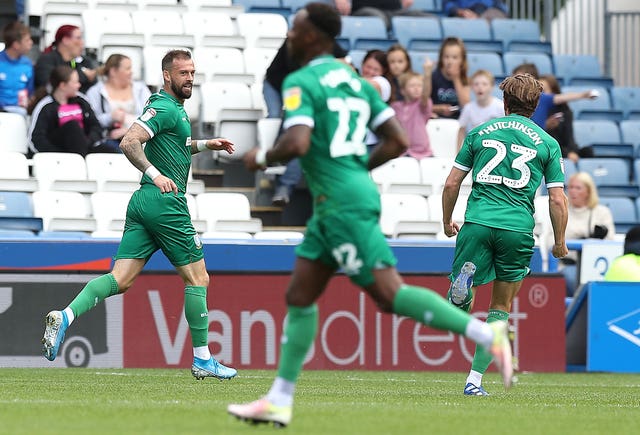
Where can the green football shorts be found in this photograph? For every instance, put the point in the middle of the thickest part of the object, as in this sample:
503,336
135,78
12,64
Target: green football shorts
350,240
158,220
498,254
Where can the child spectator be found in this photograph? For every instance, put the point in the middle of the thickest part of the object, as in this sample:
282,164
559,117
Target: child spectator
63,120
415,110
399,63
16,69
485,107
449,82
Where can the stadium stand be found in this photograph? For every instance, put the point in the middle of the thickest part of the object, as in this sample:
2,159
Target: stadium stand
406,212
400,175
227,212
13,132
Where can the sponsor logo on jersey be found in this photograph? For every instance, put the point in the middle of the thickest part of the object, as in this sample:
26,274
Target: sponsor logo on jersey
148,114
197,241
292,98
188,141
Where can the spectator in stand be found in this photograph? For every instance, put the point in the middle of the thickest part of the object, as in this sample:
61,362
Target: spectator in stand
117,100
16,69
281,65
414,111
547,101
485,107
375,70
588,219
383,9
473,9
67,49
63,120
626,268
450,88
399,62
560,123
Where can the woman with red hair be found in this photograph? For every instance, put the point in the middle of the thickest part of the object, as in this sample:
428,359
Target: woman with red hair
66,49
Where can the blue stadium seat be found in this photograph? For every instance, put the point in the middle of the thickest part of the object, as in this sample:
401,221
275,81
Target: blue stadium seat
362,27
568,66
570,168
418,57
466,29
630,132
604,137
16,212
530,46
636,171
600,108
426,5
541,60
623,210
373,44
592,82
491,62
425,45
626,99
589,132
406,29
606,171
357,56
507,30
476,33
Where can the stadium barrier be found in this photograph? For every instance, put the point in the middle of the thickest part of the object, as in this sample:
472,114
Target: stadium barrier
146,326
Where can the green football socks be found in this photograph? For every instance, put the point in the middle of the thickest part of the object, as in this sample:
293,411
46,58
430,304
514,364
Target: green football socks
482,358
299,333
427,307
96,291
197,314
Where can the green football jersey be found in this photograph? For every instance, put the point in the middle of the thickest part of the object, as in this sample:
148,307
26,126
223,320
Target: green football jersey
508,158
328,96
169,148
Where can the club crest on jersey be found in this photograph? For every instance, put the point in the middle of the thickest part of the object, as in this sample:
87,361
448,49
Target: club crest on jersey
292,98
148,114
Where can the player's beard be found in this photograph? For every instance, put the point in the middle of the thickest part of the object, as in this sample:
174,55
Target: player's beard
181,92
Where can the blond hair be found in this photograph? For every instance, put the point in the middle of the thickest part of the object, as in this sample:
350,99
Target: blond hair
521,93
484,73
404,78
586,179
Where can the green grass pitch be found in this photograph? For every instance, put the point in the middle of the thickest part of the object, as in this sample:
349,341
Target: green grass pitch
154,401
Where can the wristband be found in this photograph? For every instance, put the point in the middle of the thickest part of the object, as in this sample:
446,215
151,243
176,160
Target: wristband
261,157
201,145
152,172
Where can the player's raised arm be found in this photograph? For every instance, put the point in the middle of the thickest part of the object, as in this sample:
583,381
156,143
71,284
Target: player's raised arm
393,143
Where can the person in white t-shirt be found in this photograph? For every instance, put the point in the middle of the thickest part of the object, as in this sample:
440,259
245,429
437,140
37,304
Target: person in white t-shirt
485,107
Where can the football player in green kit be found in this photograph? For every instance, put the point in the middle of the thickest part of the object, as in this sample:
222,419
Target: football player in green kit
157,216
508,158
328,108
